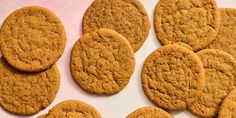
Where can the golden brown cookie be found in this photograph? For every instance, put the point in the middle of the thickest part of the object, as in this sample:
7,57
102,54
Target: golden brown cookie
27,93
220,80
228,106
32,39
73,109
184,45
128,17
172,77
42,116
149,112
226,38
194,22
102,62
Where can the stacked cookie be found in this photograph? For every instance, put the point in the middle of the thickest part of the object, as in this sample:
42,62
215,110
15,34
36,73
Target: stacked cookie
102,60
32,40
195,69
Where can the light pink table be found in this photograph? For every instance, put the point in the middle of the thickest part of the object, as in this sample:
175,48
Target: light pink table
71,13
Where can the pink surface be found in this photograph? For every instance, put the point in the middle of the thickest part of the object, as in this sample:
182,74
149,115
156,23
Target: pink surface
71,14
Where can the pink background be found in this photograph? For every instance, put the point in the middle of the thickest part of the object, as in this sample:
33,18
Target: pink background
71,13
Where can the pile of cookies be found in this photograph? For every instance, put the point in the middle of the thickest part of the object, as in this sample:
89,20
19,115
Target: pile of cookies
199,74
32,40
195,69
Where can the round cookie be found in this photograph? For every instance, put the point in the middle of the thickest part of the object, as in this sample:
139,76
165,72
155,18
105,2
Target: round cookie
226,38
172,77
32,39
194,22
220,76
228,106
128,17
102,62
27,93
149,112
73,109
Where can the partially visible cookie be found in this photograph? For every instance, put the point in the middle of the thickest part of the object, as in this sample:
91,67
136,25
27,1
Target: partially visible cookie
32,39
73,109
184,45
228,106
42,116
149,112
226,38
27,93
102,62
128,17
220,80
194,22
172,77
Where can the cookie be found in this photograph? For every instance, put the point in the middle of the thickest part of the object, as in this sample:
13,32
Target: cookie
42,116
128,17
194,22
102,62
220,76
73,109
149,112
32,39
184,45
172,77
27,93
228,106
226,38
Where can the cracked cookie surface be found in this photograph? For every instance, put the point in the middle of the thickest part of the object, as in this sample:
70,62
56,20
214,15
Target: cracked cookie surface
32,39
128,17
149,112
194,22
228,106
102,62
172,77
27,93
226,38
220,76
73,109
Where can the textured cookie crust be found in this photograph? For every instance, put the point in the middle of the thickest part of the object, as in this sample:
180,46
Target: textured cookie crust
102,62
228,106
128,17
32,39
149,112
226,38
73,109
172,77
194,22
220,80
42,116
27,93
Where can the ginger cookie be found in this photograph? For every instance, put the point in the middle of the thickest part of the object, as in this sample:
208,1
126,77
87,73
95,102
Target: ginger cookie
102,62
149,112
194,22
32,39
73,109
27,93
172,77
220,77
42,116
228,106
127,17
226,38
